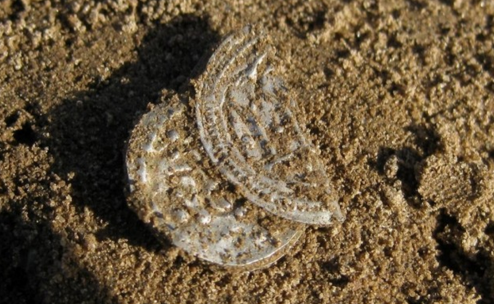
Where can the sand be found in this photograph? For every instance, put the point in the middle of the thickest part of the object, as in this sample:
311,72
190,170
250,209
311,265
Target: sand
398,96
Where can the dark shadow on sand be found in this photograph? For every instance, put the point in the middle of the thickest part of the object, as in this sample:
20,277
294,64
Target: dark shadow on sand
426,143
473,269
32,258
88,134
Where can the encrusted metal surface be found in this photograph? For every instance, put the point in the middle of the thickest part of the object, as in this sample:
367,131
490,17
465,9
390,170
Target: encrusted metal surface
229,175
175,190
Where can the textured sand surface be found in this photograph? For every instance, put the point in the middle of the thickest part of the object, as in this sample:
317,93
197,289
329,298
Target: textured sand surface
398,95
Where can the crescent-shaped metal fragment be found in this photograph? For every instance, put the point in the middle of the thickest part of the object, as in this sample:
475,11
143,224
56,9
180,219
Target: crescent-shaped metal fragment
248,126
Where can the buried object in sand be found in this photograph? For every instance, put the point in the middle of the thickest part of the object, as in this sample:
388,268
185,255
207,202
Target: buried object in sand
227,173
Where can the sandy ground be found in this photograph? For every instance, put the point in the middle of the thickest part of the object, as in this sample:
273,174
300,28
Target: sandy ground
399,96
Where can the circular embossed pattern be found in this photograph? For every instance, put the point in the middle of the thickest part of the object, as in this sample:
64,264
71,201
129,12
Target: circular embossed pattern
175,188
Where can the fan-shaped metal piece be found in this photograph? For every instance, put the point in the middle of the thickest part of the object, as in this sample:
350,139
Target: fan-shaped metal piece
248,126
